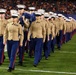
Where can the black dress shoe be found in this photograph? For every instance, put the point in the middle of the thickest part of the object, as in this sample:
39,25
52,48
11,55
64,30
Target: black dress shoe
9,70
53,51
30,56
49,55
46,58
59,48
3,58
43,55
0,64
35,65
39,60
13,68
20,64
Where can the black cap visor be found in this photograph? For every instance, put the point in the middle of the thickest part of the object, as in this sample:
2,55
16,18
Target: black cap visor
37,15
20,8
14,16
2,13
46,17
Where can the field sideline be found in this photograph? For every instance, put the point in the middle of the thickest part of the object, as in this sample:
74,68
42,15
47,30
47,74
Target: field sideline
61,62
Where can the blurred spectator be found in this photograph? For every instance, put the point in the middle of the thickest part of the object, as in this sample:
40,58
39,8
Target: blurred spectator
64,6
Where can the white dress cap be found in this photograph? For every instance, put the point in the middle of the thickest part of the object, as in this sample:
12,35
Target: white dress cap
31,8
21,6
2,10
42,11
46,15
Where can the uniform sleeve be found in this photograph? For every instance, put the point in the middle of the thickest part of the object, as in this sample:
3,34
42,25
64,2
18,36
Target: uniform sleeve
73,26
44,32
6,22
64,28
70,27
5,36
57,28
29,33
21,34
53,31
47,30
9,20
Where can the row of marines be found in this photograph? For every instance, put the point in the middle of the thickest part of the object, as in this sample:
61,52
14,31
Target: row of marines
34,32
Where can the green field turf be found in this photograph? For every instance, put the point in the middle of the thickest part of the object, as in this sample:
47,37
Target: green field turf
62,62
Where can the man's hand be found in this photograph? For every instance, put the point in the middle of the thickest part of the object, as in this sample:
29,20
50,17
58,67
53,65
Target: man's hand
21,45
23,17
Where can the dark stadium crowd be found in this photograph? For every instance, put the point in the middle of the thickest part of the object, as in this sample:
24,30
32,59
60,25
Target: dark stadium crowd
58,6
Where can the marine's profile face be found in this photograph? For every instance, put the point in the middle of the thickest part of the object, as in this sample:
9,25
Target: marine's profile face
15,19
42,17
60,17
52,19
46,18
3,15
19,11
22,11
38,17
